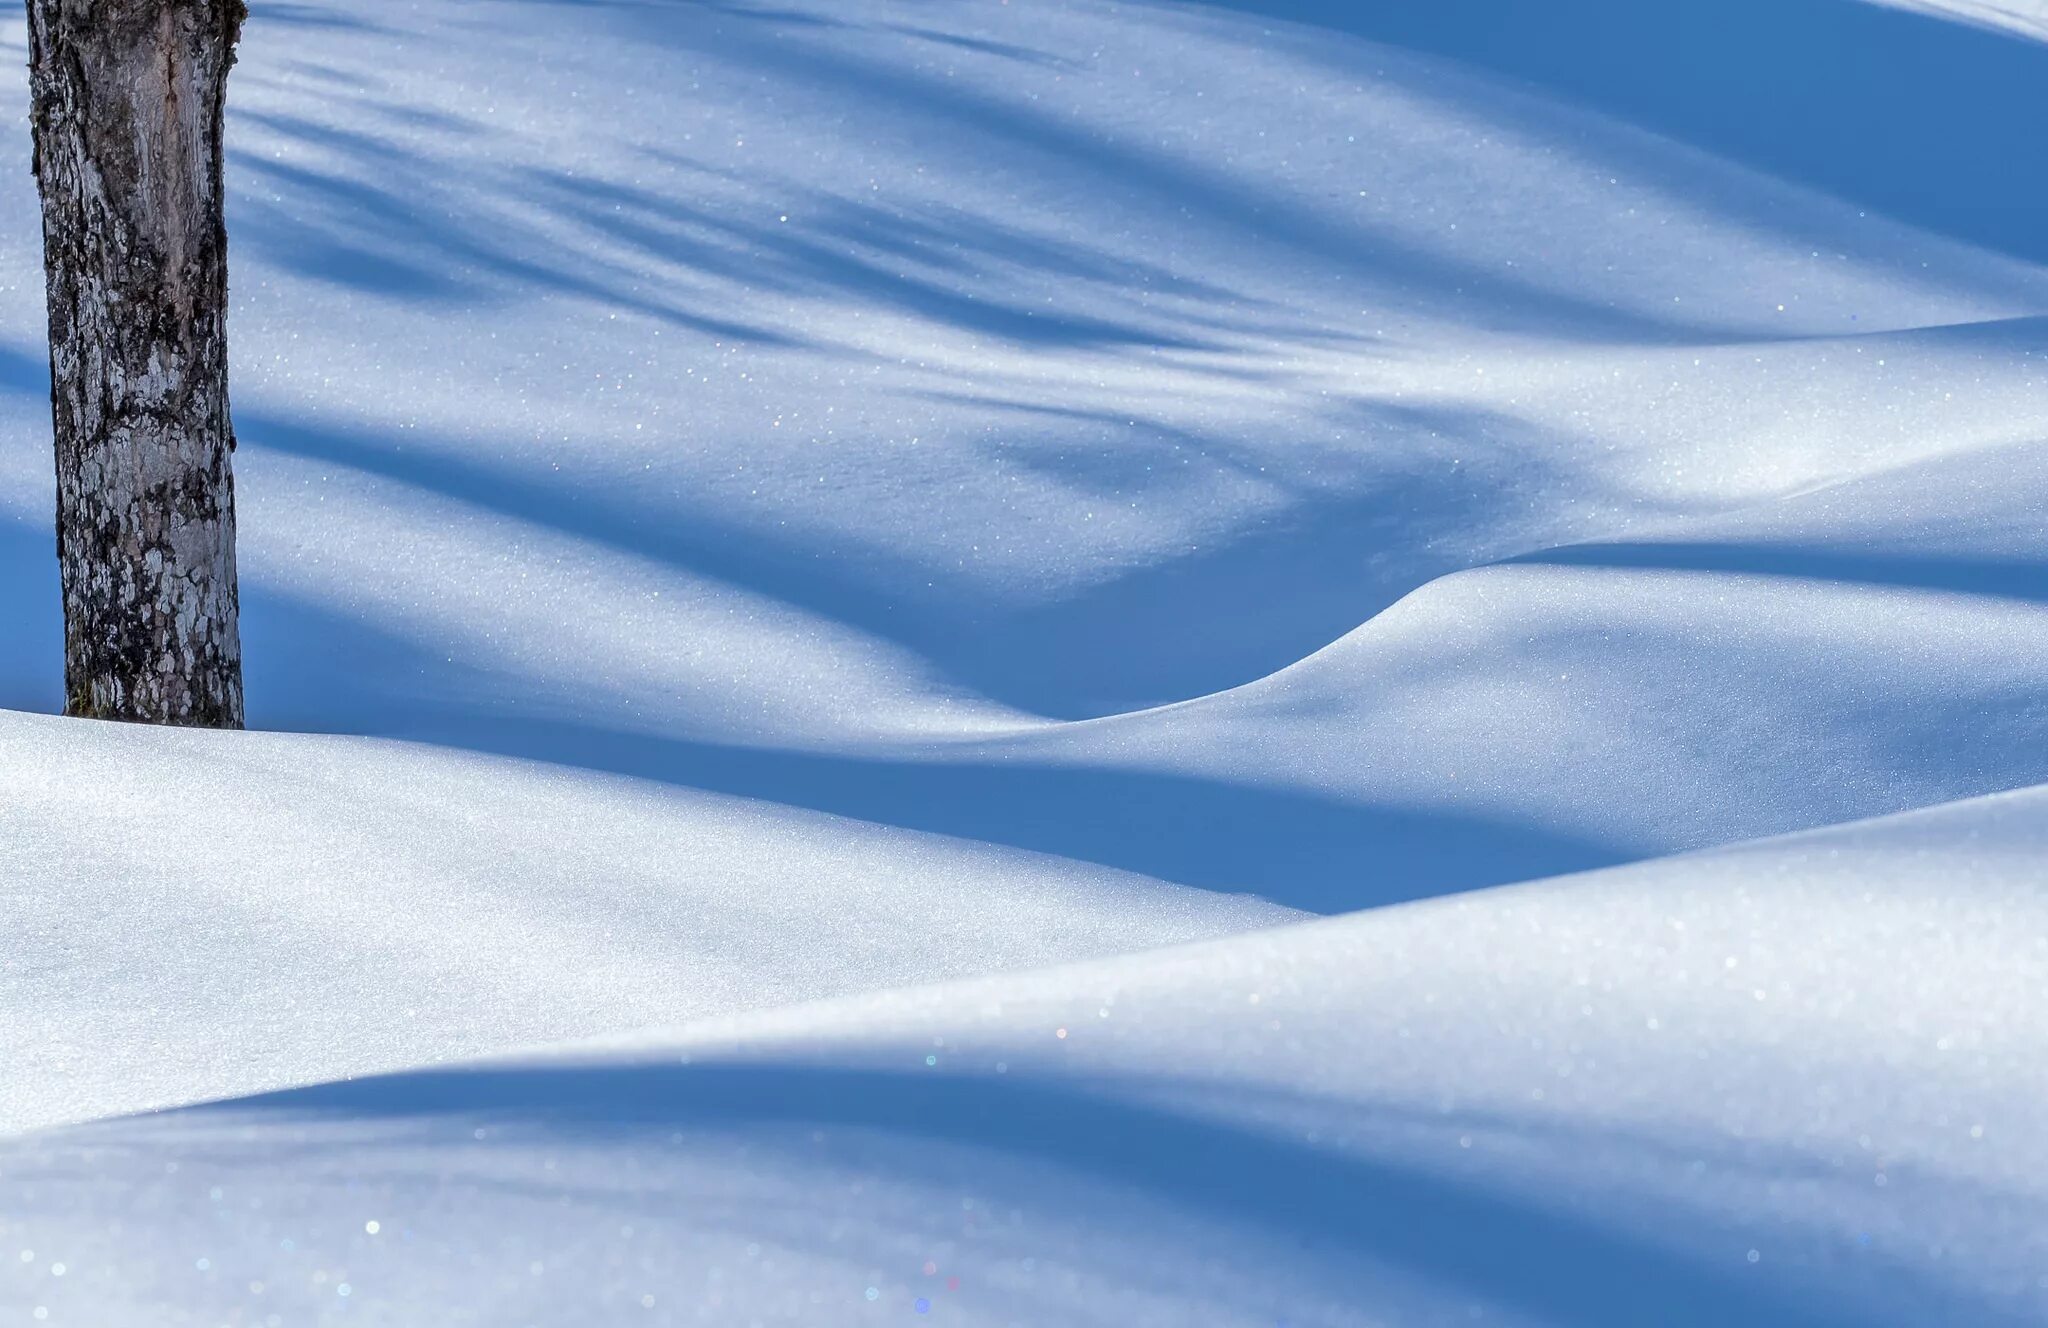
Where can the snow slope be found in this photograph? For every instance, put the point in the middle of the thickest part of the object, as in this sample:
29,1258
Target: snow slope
1796,1082
190,916
746,503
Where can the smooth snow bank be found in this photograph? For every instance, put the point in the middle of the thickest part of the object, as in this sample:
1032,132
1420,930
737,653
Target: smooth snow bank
194,915
1794,1083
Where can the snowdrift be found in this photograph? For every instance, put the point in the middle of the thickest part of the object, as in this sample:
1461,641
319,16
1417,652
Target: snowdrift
1796,1082
916,547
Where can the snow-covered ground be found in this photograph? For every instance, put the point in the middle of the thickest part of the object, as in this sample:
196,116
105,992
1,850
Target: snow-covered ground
1797,1082
909,545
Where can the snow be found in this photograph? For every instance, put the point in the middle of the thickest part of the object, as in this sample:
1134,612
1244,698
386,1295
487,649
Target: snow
194,918
1792,1082
815,535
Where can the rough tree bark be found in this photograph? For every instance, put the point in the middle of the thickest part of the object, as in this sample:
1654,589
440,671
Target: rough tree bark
128,100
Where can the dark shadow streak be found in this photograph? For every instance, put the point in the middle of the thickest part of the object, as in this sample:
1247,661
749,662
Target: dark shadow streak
386,241
31,619
857,248
895,98
2024,580
1160,183
31,601
265,12
1292,848
1207,620
1536,1259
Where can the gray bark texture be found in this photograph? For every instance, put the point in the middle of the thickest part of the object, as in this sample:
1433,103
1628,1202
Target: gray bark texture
128,101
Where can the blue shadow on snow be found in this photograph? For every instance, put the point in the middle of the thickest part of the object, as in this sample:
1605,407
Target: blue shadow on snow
1934,122
1293,848
2020,579
1538,1261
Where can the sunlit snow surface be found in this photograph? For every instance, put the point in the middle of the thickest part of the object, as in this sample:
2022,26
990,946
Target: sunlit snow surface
769,503
1792,1083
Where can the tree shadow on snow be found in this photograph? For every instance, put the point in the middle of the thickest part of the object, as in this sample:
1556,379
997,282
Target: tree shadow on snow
31,597
1242,605
1533,1255
375,215
262,13
1929,121
2021,579
1321,855
31,618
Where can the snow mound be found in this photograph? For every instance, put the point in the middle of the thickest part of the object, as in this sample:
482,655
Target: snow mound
1792,1083
194,915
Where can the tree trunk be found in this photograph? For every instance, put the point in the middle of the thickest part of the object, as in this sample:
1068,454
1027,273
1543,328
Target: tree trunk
128,99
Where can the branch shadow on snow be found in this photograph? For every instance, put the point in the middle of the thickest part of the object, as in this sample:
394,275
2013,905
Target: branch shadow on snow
1292,848
1201,622
313,668
262,13
375,215
1343,1213
1924,119
1129,176
1245,602
2021,579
